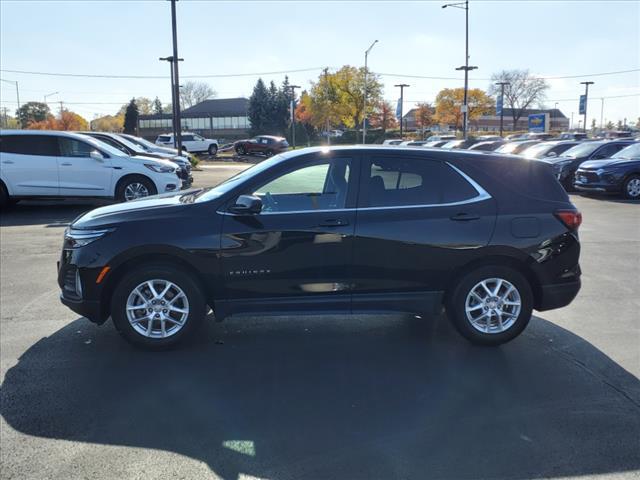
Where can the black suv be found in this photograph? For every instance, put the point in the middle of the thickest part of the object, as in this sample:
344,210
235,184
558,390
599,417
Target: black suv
343,229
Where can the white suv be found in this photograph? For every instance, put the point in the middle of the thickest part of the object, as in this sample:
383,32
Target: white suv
35,163
191,142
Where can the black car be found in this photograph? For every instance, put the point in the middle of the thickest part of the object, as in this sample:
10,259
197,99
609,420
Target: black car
565,166
132,149
619,174
342,229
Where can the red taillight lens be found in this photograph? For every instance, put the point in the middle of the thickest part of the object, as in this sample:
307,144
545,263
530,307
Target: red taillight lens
571,218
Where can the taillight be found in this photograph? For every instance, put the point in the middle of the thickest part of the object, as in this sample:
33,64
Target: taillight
571,218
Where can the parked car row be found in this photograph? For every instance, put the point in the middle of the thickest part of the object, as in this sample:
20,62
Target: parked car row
191,142
53,164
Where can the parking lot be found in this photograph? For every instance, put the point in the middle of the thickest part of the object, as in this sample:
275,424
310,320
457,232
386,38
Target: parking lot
389,396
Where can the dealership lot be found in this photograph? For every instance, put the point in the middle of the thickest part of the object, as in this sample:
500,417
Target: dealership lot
391,396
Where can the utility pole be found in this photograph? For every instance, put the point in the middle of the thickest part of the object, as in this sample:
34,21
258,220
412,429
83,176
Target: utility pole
586,99
401,85
61,108
571,124
173,101
601,112
502,85
176,77
292,108
364,107
466,68
15,82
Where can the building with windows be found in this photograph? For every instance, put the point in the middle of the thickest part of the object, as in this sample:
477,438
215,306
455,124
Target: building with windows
491,123
221,118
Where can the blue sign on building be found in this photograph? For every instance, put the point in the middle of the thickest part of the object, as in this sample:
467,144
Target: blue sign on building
583,104
398,109
499,104
538,122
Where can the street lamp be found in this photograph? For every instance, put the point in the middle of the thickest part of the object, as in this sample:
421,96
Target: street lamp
364,111
173,99
464,6
401,86
502,85
50,95
586,98
292,105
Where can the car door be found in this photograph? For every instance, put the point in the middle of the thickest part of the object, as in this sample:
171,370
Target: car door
29,164
296,252
607,150
418,220
200,144
84,170
188,143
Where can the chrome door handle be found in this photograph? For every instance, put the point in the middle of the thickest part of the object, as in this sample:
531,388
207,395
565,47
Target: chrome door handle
8,161
66,164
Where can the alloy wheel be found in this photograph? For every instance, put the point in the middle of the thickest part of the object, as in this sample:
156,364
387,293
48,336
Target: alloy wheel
135,190
493,305
633,188
157,308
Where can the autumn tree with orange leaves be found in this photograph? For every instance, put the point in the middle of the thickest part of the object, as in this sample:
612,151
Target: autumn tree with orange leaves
68,121
384,117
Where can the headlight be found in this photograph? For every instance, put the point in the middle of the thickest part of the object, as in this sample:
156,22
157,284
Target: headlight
79,238
160,168
600,171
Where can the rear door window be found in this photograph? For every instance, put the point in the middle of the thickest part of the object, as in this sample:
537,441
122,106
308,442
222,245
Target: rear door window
187,138
397,182
70,147
42,145
163,138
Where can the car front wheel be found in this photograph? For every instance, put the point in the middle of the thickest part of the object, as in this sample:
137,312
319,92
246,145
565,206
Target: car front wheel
491,305
631,187
135,187
157,306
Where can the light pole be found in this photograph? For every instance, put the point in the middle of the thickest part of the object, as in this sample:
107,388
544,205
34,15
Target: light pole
571,124
49,95
292,106
502,85
17,91
465,6
176,78
173,100
586,99
364,107
601,112
401,86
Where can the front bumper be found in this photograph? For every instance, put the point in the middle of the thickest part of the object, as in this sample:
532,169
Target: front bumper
87,308
590,181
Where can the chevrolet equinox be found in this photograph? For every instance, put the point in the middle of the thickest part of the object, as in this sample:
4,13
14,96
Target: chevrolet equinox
343,229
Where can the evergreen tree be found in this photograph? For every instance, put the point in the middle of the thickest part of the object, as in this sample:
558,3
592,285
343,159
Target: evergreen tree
131,117
258,110
157,106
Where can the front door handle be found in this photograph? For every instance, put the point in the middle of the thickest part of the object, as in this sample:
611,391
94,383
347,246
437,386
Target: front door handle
66,164
333,222
464,217
8,161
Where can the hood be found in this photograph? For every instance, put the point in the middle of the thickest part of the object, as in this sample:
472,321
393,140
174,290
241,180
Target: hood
609,162
143,209
149,158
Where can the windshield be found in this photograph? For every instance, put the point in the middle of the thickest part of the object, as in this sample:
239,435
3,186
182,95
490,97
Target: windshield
128,143
538,151
105,147
139,141
632,151
508,147
582,150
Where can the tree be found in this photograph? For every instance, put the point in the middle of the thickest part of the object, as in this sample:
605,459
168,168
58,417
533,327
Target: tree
593,124
322,104
131,117
258,110
523,91
192,93
384,117
157,106
7,121
32,112
424,115
304,117
69,121
108,123
609,125
350,88
449,105
145,106
619,125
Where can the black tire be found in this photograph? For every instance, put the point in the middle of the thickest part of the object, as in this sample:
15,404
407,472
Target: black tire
213,150
184,149
171,273
240,150
5,199
269,153
456,305
130,180
631,195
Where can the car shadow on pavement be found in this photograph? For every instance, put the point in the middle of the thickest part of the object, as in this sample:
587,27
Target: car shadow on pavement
50,213
337,397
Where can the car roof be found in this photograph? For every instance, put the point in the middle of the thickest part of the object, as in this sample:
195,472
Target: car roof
55,133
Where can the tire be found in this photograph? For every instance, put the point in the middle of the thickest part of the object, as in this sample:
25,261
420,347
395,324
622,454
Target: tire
269,153
240,150
213,150
5,199
178,325
631,187
492,333
184,149
134,185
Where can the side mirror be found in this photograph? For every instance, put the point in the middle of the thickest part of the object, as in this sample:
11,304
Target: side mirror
552,154
247,205
96,155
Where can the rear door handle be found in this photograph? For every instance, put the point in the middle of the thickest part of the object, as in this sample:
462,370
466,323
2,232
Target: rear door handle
464,217
8,161
333,222
66,164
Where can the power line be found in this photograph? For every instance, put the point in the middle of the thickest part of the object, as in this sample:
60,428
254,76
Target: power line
160,77
401,75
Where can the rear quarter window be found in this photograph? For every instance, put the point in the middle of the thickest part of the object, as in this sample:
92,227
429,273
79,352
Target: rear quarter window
42,145
163,138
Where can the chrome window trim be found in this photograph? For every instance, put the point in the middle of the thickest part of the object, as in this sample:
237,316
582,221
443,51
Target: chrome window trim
482,195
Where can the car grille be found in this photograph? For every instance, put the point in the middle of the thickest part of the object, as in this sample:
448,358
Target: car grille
71,287
590,177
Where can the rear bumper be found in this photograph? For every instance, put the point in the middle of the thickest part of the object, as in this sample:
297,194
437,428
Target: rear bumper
558,295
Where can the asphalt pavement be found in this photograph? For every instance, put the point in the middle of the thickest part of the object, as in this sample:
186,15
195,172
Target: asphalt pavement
320,397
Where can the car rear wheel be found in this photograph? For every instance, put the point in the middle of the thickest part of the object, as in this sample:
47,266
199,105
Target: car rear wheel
213,150
135,187
631,188
157,306
491,305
